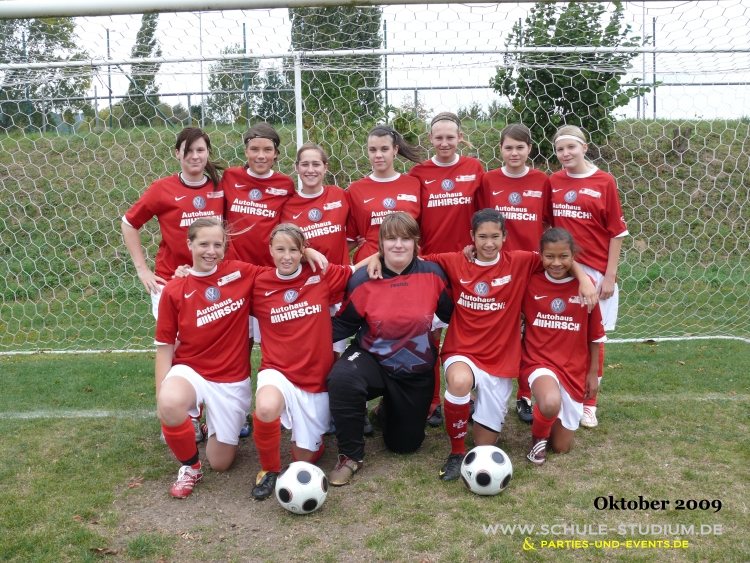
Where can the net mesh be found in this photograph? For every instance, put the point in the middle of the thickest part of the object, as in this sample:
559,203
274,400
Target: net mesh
82,139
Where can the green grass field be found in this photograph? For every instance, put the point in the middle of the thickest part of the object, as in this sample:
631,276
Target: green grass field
85,478
69,284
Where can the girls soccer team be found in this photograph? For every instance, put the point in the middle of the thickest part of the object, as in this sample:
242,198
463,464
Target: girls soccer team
503,213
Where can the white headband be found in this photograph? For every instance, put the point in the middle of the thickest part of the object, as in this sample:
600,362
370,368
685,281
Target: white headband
571,137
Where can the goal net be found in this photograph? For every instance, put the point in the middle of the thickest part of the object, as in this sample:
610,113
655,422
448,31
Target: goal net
91,103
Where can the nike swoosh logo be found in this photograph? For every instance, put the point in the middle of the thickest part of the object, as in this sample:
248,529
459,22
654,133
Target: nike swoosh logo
297,215
189,294
179,198
555,191
539,296
429,181
240,185
270,292
369,200
495,193
465,281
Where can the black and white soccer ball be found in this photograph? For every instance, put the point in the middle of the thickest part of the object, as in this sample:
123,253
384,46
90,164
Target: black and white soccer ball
486,470
302,487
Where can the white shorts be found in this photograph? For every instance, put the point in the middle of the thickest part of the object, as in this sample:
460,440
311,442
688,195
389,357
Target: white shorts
571,411
608,307
155,298
491,402
307,414
339,346
254,329
228,404
437,323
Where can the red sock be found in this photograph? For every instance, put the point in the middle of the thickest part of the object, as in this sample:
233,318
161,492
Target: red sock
523,387
181,440
436,393
267,437
592,401
317,455
541,426
456,423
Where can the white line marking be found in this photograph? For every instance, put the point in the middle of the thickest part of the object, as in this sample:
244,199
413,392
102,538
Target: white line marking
79,414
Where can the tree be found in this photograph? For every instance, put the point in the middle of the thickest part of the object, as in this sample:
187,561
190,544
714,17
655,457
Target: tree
551,90
231,76
137,109
47,90
335,89
275,106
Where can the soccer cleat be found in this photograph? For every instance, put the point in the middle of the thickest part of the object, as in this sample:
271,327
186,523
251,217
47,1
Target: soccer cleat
187,478
589,417
198,430
368,430
245,432
524,410
436,418
344,470
538,453
265,484
451,469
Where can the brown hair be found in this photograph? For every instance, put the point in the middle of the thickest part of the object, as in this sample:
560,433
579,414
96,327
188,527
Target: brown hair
202,223
262,131
453,118
404,149
558,234
312,147
488,215
188,136
399,224
516,131
293,232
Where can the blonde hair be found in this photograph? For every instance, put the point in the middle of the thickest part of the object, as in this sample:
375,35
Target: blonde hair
206,222
571,130
453,118
399,224
312,147
293,232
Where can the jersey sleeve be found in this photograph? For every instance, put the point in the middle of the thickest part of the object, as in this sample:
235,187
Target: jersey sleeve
596,326
547,203
480,200
144,209
167,324
615,221
337,277
352,232
444,259
444,310
348,320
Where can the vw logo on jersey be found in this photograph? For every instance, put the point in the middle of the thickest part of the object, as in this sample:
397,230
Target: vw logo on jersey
514,198
315,215
447,185
557,305
482,288
290,296
255,194
571,196
198,202
389,203
212,294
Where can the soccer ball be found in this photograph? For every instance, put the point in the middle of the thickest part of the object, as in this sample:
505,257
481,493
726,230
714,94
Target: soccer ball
302,487
486,470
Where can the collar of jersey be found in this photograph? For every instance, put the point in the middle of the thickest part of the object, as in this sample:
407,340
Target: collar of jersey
509,175
290,276
436,162
486,264
588,174
312,196
202,274
387,272
391,179
553,280
258,176
193,184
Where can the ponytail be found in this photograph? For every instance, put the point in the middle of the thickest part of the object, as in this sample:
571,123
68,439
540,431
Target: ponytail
406,150
188,136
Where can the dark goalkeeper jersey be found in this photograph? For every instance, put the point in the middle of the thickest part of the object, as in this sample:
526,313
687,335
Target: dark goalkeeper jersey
392,317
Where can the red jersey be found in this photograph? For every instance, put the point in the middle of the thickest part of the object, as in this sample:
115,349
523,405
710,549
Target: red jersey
448,202
524,201
486,322
252,211
323,220
210,313
370,200
558,331
588,205
293,315
176,206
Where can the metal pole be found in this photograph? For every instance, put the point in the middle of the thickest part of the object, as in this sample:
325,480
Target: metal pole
643,27
109,82
44,113
28,96
247,104
416,104
298,98
654,75
96,108
200,52
385,45
190,113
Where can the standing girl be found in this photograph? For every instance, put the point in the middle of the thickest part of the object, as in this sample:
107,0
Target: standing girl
449,183
586,202
522,195
560,354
